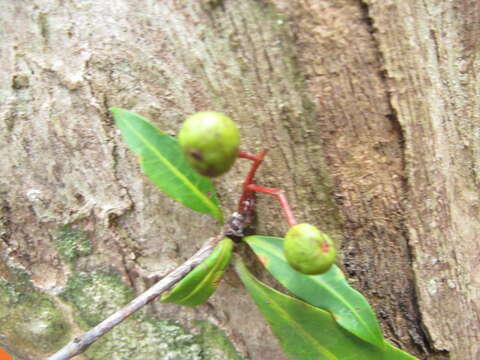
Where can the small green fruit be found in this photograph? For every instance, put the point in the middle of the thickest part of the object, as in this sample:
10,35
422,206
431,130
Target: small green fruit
210,142
308,250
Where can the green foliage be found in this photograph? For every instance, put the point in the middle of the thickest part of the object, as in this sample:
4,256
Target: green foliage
162,160
307,332
329,291
195,288
331,320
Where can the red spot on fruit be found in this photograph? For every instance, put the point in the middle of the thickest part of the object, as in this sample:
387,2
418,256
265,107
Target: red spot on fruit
197,155
325,247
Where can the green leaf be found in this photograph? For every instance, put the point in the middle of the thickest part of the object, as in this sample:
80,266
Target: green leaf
195,288
307,332
162,160
394,353
329,291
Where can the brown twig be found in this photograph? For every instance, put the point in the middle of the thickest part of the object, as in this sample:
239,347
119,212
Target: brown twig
234,227
81,343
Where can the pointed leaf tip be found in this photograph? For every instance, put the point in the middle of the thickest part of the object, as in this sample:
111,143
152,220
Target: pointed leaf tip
329,291
307,332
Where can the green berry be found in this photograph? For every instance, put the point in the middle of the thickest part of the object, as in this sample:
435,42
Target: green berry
210,142
308,250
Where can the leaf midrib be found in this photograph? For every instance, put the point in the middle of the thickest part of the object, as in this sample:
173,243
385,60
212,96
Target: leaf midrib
328,288
178,174
206,278
285,314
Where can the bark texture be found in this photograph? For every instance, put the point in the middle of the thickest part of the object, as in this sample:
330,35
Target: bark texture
370,109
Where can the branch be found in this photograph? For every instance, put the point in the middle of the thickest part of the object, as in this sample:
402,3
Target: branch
81,343
234,227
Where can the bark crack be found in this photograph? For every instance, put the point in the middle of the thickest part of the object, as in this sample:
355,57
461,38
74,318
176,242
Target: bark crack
5,222
102,107
418,334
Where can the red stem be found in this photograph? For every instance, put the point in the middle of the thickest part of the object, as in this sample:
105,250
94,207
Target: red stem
257,160
245,204
245,155
280,195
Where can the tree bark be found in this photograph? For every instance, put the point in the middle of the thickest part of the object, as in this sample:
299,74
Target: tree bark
370,110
